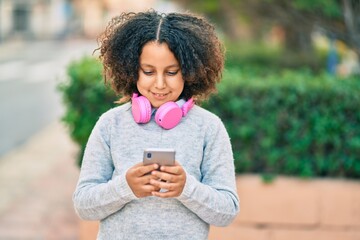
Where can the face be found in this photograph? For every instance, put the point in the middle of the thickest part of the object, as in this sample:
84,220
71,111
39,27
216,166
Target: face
160,78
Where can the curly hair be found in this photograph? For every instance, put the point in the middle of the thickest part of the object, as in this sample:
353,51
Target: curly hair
191,38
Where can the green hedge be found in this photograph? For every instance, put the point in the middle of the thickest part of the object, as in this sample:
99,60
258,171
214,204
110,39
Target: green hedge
291,122
285,122
85,97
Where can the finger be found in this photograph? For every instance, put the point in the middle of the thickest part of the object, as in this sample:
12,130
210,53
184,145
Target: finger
164,176
177,169
133,170
150,188
168,194
165,185
142,170
146,178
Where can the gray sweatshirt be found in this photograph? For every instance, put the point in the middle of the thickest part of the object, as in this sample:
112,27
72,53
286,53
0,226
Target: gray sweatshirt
117,143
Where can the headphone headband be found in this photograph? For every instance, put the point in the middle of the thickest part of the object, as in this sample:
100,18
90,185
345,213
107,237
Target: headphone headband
167,115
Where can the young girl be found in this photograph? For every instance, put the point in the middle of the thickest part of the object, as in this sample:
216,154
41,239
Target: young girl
160,64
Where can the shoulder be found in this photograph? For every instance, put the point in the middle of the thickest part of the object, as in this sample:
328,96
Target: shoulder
113,115
213,127
116,111
204,116
202,119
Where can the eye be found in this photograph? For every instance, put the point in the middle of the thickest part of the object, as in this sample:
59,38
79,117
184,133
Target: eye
148,73
172,73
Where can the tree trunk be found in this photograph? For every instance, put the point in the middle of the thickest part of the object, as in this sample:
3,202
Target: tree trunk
299,50
229,19
351,10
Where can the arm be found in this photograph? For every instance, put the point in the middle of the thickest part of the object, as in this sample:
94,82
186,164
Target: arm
98,194
214,198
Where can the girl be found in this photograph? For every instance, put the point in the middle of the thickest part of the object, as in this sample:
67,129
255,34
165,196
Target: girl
160,64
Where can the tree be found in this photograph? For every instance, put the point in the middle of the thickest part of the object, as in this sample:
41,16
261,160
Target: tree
338,19
346,28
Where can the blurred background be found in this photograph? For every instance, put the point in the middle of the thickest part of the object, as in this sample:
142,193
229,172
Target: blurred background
37,40
289,98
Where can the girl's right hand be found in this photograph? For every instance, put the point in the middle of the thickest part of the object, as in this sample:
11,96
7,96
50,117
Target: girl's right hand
138,178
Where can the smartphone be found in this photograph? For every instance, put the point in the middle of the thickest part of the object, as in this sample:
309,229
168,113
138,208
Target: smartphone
161,156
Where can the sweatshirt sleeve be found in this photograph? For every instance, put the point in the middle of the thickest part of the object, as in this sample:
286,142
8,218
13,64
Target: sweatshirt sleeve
98,194
214,198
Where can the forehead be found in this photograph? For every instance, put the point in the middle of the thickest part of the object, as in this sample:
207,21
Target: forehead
157,53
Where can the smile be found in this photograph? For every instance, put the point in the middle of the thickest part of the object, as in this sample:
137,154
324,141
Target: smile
160,94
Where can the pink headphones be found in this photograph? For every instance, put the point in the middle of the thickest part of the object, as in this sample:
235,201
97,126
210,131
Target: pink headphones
167,115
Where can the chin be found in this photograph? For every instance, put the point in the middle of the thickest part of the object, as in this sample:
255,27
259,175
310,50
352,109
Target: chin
156,104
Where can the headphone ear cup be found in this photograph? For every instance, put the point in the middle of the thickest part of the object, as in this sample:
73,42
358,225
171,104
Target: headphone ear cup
168,115
141,109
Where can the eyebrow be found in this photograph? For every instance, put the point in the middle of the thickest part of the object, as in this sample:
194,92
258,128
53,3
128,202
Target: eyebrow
149,65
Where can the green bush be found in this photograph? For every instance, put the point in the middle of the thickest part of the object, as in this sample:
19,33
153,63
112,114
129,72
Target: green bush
291,122
85,97
273,58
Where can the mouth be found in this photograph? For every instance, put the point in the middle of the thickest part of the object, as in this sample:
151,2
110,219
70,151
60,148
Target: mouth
160,96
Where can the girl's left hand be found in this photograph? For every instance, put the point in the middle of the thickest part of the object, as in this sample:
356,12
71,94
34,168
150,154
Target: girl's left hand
171,178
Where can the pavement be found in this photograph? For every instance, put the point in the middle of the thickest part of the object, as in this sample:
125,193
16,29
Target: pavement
37,180
29,74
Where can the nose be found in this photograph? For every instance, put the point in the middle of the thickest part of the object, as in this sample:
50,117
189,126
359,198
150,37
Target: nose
160,82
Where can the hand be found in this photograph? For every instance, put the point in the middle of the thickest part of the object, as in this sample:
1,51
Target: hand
139,179
171,178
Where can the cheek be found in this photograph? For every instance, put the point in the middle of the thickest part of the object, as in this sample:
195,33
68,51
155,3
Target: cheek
143,82
179,85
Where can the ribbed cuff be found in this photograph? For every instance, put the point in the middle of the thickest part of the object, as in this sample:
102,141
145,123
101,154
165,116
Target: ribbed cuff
188,188
123,189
